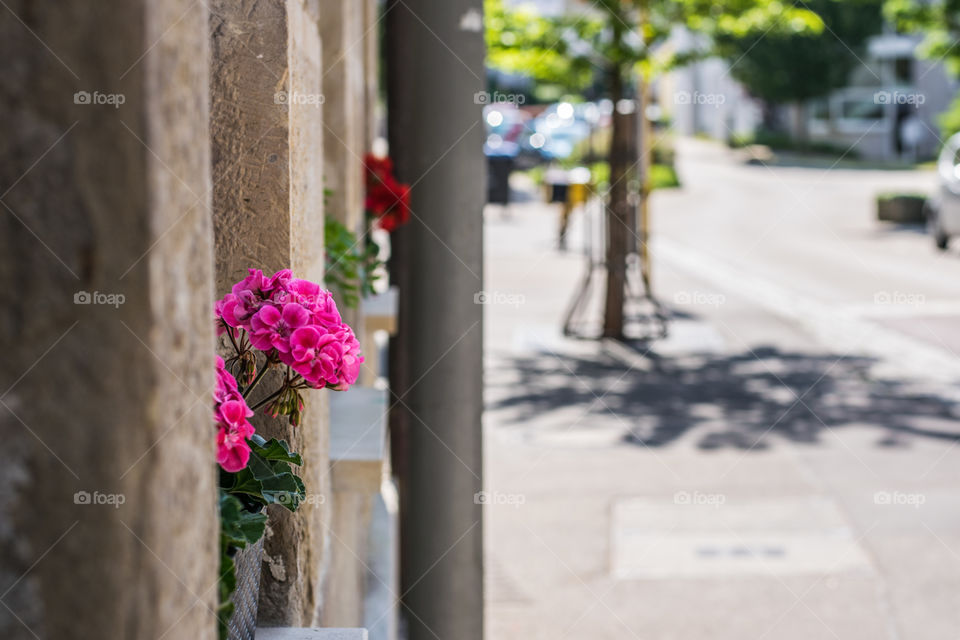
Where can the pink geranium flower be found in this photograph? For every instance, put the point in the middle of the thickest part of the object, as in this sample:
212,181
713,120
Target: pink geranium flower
230,412
254,283
350,368
325,312
233,452
278,281
270,328
293,321
237,309
326,358
311,296
233,414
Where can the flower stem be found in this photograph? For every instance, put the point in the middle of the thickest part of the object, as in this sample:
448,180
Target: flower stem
256,381
267,399
230,335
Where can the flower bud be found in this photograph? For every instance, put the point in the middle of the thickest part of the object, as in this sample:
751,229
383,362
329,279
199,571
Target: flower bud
250,369
272,409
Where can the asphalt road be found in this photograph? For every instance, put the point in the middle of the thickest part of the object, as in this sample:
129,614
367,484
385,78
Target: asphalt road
783,465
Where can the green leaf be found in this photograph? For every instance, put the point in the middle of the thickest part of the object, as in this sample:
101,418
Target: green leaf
270,480
225,588
352,263
274,450
239,526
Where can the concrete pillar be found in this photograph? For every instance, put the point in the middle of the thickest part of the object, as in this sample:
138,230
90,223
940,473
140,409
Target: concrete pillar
344,127
435,67
108,525
344,141
266,126
372,28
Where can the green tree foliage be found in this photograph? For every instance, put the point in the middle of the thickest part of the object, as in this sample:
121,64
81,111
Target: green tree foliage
547,49
794,66
570,49
618,42
939,21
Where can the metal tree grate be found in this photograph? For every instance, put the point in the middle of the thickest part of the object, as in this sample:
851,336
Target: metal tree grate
243,622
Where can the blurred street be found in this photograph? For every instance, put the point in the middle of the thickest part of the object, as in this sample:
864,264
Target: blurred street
783,465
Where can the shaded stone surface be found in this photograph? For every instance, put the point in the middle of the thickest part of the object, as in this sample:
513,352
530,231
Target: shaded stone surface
108,517
268,214
436,363
344,44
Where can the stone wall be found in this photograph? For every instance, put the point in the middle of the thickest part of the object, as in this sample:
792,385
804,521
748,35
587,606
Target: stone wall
152,152
107,518
344,34
266,121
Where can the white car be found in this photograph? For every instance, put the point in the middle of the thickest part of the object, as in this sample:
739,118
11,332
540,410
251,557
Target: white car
943,218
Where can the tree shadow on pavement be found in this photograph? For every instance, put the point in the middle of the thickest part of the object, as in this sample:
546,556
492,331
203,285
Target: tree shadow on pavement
742,400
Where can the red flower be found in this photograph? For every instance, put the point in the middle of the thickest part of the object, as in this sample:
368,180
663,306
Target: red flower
388,201
380,166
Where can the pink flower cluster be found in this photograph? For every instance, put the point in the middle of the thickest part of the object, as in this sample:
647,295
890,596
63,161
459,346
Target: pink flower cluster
298,321
230,411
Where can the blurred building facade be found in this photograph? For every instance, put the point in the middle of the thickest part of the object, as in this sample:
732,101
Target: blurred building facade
887,111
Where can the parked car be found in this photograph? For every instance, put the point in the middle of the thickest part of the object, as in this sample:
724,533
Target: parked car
943,214
559,129
508,134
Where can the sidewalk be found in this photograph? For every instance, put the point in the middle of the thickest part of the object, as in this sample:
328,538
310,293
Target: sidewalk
740,481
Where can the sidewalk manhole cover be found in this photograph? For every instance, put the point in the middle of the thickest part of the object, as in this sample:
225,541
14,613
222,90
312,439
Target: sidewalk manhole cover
656,539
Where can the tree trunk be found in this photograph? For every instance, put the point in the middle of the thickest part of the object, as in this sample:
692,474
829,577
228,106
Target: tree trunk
801,131
619,218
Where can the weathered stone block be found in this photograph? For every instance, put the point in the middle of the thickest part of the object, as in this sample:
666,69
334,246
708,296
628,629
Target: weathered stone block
358,456
288,633
266,124
343,36
108,523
